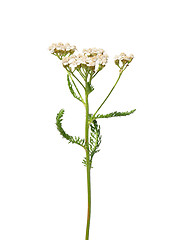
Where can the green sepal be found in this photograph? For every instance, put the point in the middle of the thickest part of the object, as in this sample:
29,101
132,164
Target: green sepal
71,139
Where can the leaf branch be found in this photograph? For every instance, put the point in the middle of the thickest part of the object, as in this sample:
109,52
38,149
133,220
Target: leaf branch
71,139
115,114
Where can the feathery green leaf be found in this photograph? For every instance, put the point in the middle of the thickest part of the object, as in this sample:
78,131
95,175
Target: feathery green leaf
77,140
115,114
95,139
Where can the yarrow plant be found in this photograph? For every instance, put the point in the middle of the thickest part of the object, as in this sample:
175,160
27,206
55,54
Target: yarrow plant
81,69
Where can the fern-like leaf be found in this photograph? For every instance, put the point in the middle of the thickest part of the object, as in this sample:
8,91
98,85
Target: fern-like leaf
115,114
95,139
71,139
71,89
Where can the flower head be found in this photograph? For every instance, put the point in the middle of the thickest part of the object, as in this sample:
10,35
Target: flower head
61,50
92,58
93,51
123,60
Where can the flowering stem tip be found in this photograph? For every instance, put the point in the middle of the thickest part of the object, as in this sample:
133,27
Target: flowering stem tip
81,69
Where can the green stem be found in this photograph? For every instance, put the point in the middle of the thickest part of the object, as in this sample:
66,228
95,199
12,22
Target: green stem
106,97
76,88
88,166
77,79
95,74
82,75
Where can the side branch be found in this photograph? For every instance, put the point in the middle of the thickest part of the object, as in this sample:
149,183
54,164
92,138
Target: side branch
107,95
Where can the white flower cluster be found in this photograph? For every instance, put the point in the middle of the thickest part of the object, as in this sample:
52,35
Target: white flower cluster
62,49
93,58
123,60
93,51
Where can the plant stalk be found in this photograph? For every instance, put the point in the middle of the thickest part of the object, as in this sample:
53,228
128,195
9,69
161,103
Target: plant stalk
88,166
107,95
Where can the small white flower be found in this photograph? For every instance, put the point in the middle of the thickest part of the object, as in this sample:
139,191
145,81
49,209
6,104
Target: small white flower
73,47
82,58
74,63
123,60
102,59
65,61
105,55
91,64
131,56
94,50
71,59
87,51
52,47
100,51
67,47
60,46
120,57
127,58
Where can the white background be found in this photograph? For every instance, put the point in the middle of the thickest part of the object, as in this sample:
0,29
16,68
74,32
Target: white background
42,179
